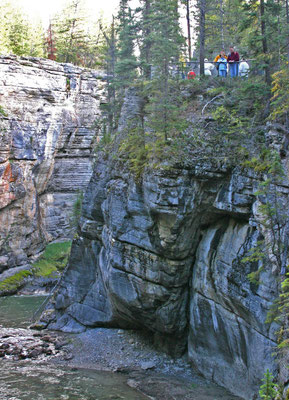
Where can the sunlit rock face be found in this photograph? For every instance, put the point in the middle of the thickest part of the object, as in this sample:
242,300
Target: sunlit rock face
47,134
165,254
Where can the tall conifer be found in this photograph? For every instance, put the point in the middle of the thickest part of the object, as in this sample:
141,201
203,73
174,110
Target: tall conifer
166,46
126,62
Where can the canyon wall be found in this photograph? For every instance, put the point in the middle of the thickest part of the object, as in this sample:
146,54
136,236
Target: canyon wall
48,126
165,254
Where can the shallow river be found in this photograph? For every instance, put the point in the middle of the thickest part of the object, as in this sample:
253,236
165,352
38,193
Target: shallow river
21,380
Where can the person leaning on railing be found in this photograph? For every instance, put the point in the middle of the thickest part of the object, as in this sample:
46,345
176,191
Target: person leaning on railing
217,58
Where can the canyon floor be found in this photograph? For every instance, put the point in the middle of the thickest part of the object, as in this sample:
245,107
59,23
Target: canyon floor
153,373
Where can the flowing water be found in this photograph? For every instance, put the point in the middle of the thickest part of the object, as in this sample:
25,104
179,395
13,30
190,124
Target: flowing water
17,311
21,380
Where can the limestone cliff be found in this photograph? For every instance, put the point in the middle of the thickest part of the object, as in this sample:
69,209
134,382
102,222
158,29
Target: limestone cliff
165,255
47,134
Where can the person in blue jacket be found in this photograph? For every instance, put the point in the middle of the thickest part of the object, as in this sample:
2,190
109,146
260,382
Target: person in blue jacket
222,63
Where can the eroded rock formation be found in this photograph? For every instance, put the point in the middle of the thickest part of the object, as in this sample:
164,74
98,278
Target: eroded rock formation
46,139
166,255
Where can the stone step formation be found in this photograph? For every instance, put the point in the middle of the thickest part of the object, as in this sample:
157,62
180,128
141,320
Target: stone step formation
47,138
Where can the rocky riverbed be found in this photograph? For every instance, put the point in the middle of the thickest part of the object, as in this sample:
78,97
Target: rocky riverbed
20,344
128,354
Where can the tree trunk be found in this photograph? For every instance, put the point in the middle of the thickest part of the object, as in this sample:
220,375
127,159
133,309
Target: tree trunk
264,42
147,46
279,35
202,10
110,70
287,20
222,23
189,29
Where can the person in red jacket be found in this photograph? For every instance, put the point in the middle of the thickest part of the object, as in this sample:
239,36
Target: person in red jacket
233,61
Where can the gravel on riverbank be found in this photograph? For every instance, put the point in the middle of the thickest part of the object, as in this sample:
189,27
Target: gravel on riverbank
152,372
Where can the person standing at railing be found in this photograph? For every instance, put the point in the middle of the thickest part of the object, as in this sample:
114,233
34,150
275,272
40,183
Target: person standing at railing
208,67
233,60
222,66
221,55
244,68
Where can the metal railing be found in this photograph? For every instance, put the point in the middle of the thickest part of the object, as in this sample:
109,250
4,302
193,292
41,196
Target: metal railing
180,70
185,67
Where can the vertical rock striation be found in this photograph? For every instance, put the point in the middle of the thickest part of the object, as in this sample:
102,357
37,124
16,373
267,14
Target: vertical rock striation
47,135
166,255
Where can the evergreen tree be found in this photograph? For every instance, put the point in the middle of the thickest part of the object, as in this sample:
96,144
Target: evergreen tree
267,390
202,32
17,34
110,109
36,40
166,47
145,42
223,17
187,4
71,39
262,29
126,62
166,39
287,27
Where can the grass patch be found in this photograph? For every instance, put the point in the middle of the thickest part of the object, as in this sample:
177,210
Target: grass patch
13,283
53,260
51,263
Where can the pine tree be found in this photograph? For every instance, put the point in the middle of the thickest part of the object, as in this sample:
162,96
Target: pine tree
126,62
166,47
267,390
202,32
262,29
71,39
36,40
287,28
145,37
110,110
187,4
17,32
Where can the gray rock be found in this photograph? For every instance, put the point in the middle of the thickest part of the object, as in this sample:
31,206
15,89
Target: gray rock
145,365
165,255
46,157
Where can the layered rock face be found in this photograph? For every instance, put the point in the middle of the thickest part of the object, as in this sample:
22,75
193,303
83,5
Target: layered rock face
166,255
46,139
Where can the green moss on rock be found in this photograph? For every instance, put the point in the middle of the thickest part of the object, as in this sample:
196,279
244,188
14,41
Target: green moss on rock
50,265
53,260
13,283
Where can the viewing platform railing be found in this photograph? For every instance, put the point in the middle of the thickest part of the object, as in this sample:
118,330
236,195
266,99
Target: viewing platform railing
180,70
